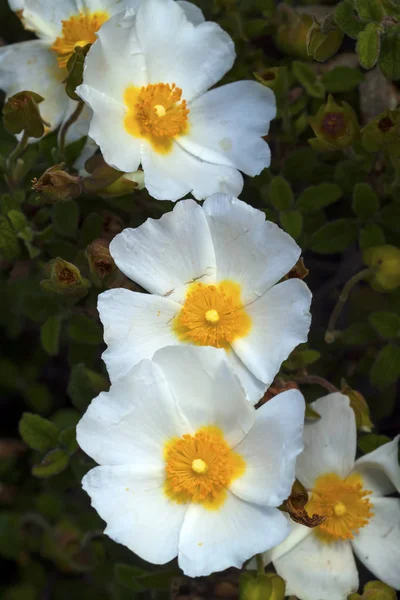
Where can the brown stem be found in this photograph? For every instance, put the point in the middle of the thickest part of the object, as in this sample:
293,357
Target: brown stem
317,380
70,121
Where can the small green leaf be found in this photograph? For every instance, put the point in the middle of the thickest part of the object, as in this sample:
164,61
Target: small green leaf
68,440
308,79
347,20
10,540
318,196
389,61
280,193
342,79
386,369
300,165
66,217
334,237
84,330
369,45
371,235
386,323
390,216
128,575
91,229
9,247
52,464
311,414
365,201
50,335
84,385
18,220
39,433
292,222
370,10
371,441
358,334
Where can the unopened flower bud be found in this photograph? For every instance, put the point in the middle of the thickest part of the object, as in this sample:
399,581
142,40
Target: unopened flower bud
64,278
336,126
291,35
56,184
360,408
382,132
21,113
324,39
375,590
126,184
101,263
385,264
255,587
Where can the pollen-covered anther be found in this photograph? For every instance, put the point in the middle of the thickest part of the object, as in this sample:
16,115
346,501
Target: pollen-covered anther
160,110
78,30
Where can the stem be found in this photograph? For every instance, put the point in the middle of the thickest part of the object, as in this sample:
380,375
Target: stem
260,564
317,380
19,148
330,333
70,121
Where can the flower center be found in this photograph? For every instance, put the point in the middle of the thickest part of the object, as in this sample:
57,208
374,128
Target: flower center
156,112
200,467
212,315
78,30
343,502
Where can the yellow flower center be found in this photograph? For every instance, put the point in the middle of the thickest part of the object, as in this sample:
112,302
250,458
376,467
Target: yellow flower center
212,315
157,113
200,467
78,30
343,502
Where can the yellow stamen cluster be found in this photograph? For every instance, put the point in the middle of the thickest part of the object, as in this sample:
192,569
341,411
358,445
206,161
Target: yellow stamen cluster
212,315
343,502
199,468
78,30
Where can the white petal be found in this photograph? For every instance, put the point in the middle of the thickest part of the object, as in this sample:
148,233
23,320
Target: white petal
280,321
112,7
136,510
193,13
32,66
314,570
176,51
45,18
213,540
377,544
270,449
297,534
329,443
380,469
227,125
250,250
206,390
166,255
255,389
172,176
130,424
135,326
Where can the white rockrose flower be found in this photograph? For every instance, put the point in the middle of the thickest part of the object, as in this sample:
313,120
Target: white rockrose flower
212,273
40,65
319,563
188,468
146,79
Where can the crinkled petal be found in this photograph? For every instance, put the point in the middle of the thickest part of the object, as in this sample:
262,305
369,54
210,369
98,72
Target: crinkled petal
173,175
250,250
32,66
206,390
176,51
270,449
164,256
130,424
377,544
193,13
329,443
255,389
137,511
135,327
280,320
380,469
213,540
227,125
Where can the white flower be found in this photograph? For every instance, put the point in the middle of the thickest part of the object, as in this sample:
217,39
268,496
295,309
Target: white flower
146,79
40,65
211,273
188,467
319,563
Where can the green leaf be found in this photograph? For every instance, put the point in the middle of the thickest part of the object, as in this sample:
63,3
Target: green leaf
10,542
91,229
292,222
52,464
66,217
369,45
9,247
360,333
342,79
84,330
311,414
370,10
365,201
127,576
308,79
50,335
386,369
334,237
39,433
84,385
371,235
389,62
390,216
300,165
371,441
318,196
386,323
280,193
18,220
347,20
68,440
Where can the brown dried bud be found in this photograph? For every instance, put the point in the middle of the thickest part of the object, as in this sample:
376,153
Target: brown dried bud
64,278
101,263
299,271
112,225
56,184
295,506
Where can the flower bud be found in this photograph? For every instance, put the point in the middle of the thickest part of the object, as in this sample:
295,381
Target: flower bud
126,184
382,132
324,39
64,278
101,263
56,184
291,35
336,126
255,587
375,590
385,262
21,113
360,408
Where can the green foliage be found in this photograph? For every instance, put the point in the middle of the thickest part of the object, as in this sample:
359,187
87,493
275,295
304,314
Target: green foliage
40,434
